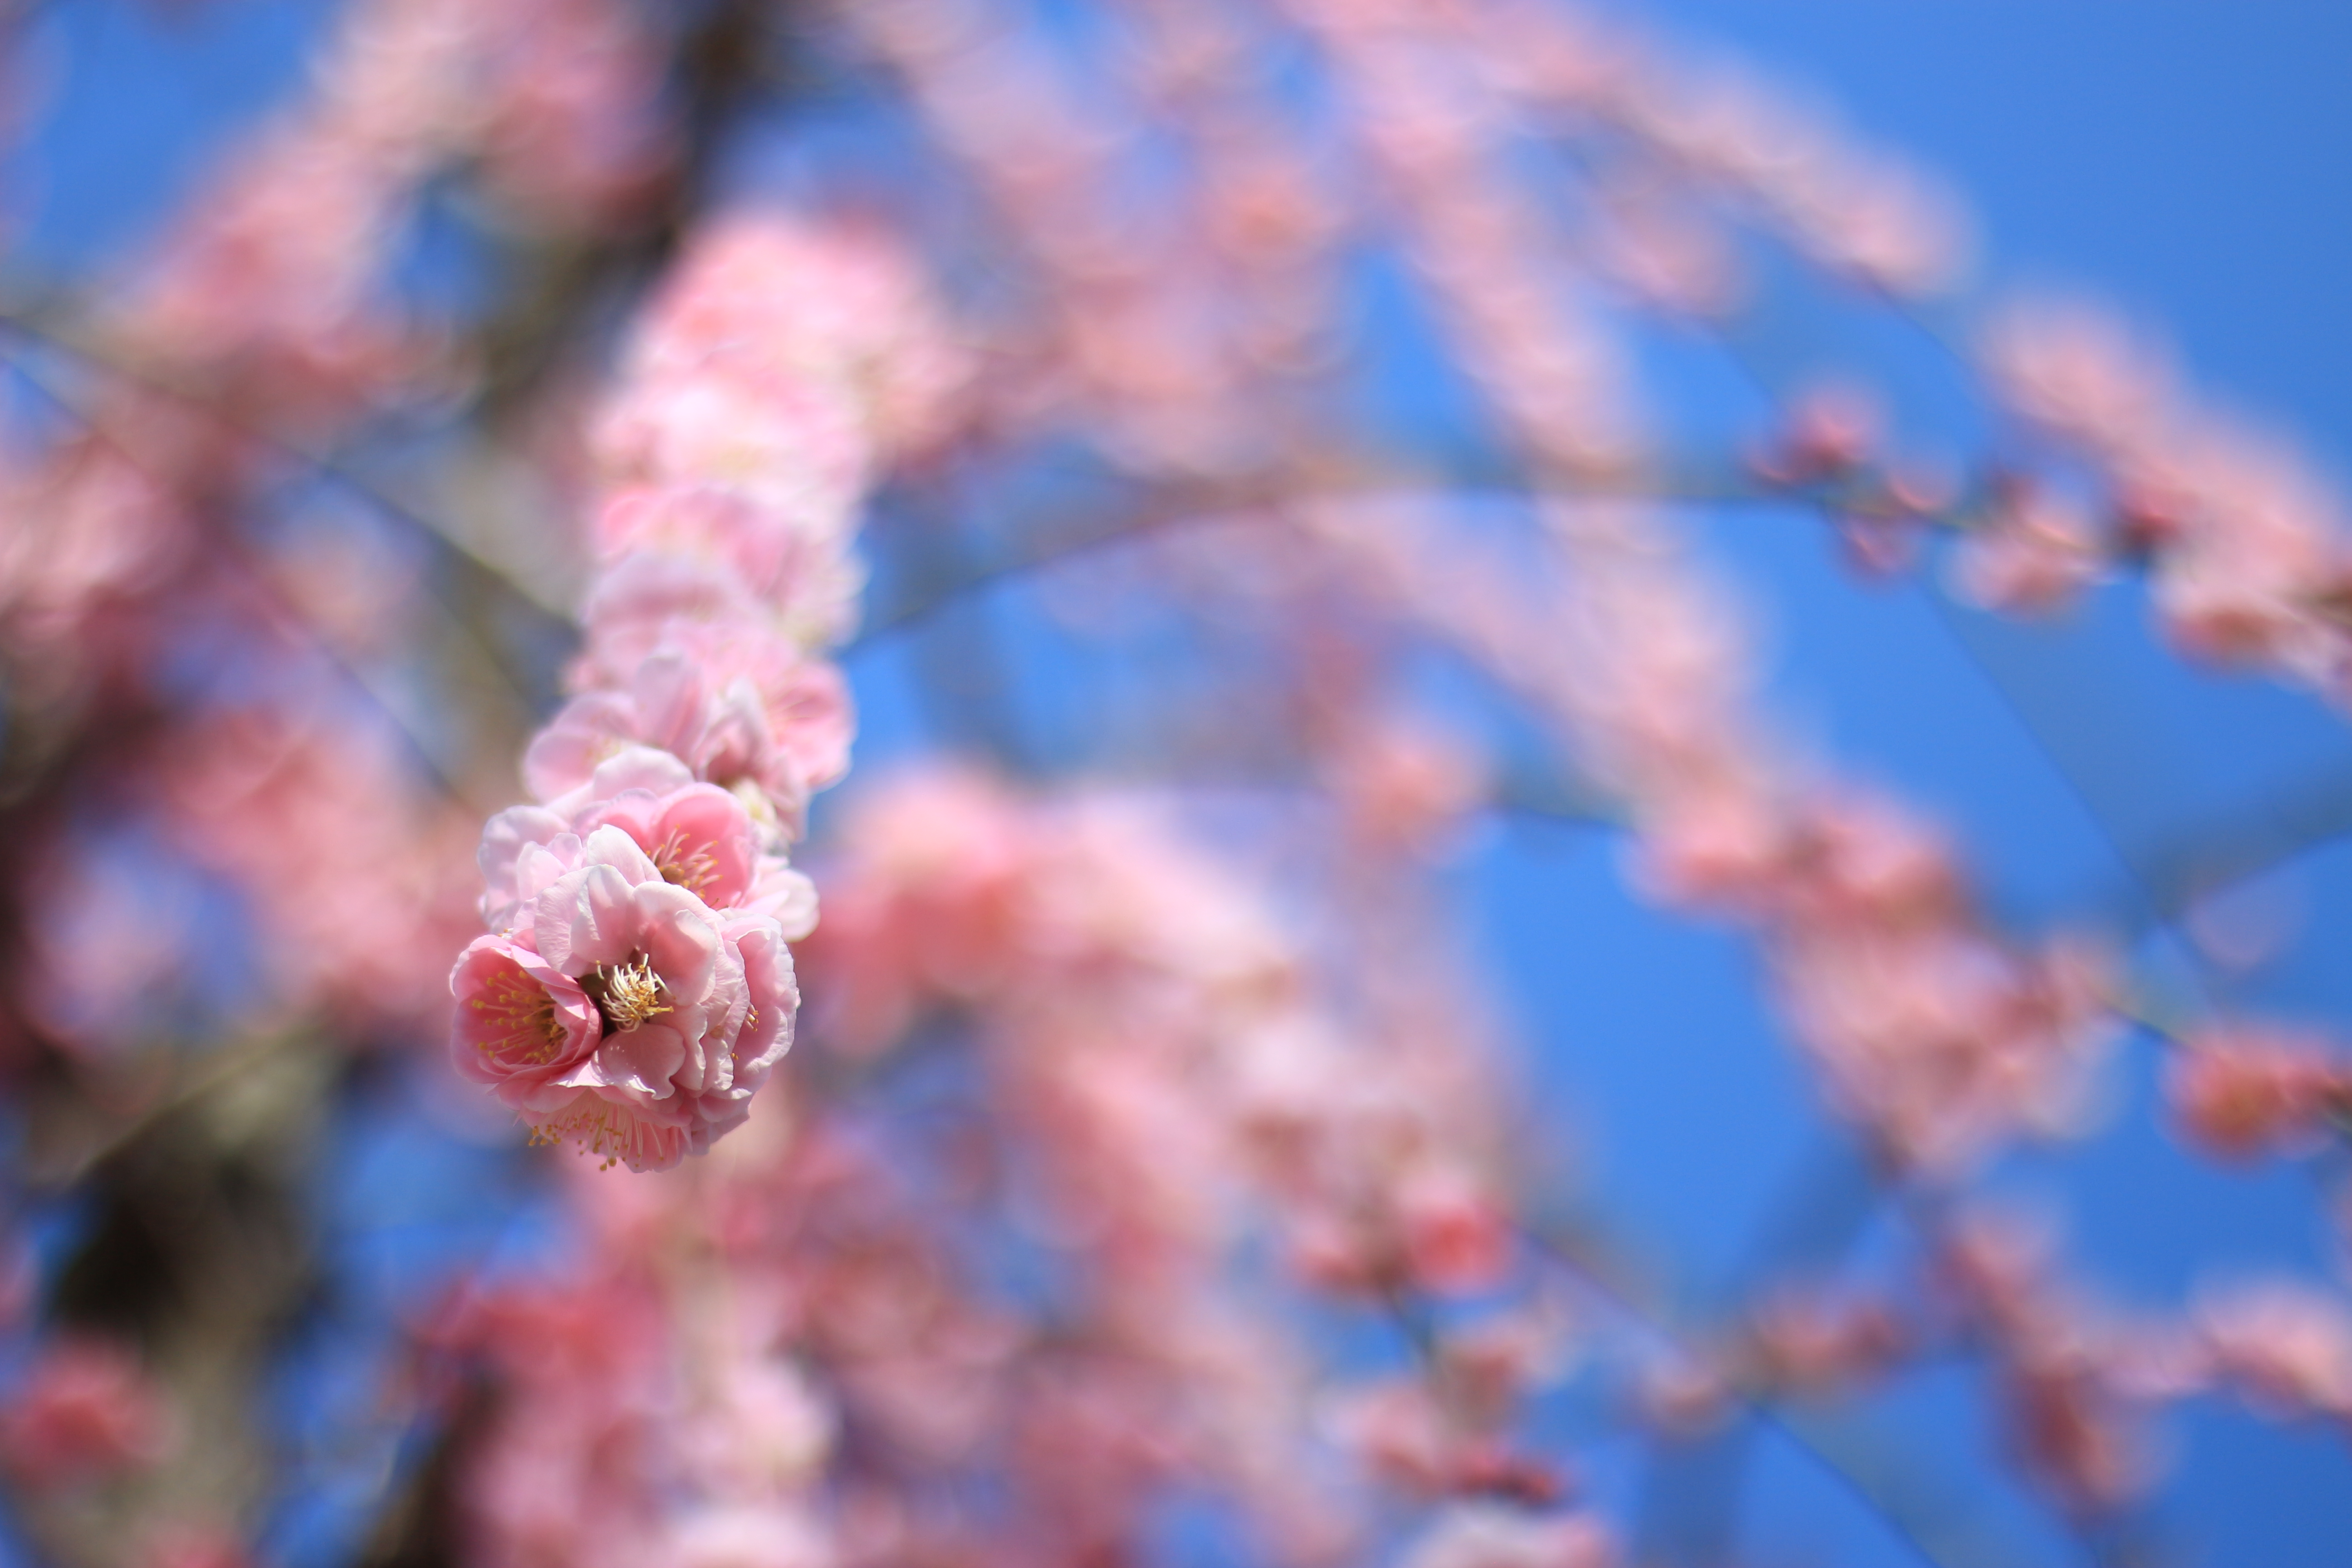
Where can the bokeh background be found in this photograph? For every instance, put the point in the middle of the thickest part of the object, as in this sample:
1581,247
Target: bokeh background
2193,161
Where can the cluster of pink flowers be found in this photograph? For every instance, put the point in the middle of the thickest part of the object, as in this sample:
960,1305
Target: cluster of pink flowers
264,308
2111,461
1941,1036
635,989
2078,1382
644,1411
2244,541
355,911
1164,1052
1134,337
94,540
1192,1114
2240,1090
1063,926
2285,1347
269,290
1933,1031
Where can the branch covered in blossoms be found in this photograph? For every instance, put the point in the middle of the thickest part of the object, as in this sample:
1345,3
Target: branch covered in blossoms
635,989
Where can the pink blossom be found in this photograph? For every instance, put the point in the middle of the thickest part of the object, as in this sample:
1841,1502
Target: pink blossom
696,1007
2257,548
763,380
1402,786
1812,1341
707,524
1995,1266
626,1014
1489,1366
736,713
2079,371
748,1535
85,1410
2246,541
568,127
1489,1535
648,598
701,837
197,1546
784,895
1401,1432
2035,554
2240,1093
2288,1346
567,1463
1942,1043
2070,1425
1455,1230
1174,1079
1866,859
1722,846
795,447
763,297
702,552
1826,432
1882,223
2077,1381
522,1024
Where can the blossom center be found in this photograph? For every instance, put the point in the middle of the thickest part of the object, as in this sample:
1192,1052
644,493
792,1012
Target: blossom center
691,869
626,993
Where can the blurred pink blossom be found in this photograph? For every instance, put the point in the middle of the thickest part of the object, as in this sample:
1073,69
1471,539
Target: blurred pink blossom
85,1410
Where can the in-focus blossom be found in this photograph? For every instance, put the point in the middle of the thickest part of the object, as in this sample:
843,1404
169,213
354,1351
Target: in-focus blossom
522,1024
639,1021
700,836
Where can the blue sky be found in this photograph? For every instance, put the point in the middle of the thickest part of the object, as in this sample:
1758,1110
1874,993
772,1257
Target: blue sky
2194,160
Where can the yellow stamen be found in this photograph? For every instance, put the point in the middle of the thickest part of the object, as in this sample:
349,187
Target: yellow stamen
523,1024
693,871
632,994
